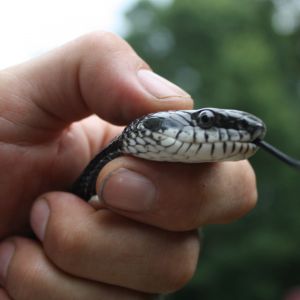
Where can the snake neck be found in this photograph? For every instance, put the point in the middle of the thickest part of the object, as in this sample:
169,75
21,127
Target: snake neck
85,185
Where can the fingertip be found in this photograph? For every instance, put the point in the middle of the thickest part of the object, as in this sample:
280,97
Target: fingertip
160,88
64,201
39,217
56,207
247,193
235,196
7,249
16,263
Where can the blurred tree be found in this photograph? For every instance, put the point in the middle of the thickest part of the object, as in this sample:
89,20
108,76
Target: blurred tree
227,53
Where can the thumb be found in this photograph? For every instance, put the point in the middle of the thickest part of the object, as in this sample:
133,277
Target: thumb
96,74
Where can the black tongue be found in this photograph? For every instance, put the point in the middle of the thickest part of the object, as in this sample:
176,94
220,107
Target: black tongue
278,154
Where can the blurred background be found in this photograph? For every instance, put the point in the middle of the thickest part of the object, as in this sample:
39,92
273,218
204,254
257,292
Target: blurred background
242,54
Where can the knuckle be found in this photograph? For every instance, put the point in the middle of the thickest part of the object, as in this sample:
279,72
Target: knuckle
248,203
180,277
180,264
246,198
248,192
251,194
64,244
26,271
104,40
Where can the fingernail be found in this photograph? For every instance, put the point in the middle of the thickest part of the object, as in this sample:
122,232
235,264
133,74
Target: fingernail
7,250
158,86
39,218
128,190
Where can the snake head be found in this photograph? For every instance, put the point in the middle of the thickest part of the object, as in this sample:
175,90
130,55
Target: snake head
203,135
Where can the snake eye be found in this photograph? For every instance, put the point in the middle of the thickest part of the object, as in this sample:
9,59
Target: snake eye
206,119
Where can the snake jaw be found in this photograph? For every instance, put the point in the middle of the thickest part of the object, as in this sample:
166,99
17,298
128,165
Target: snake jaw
200,146
182,136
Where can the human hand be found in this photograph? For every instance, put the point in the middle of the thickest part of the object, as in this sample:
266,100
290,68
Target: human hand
112,253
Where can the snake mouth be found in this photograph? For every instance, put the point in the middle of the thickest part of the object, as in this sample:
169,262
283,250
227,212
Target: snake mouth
244,150
259,133
217,151
217,143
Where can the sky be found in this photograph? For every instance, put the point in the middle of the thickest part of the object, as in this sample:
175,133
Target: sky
29,28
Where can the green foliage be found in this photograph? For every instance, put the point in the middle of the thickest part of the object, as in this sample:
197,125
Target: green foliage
226,53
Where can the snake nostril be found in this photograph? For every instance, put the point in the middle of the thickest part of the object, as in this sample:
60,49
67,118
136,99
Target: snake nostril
243,124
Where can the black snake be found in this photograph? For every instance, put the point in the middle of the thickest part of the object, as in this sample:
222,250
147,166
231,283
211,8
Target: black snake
187,136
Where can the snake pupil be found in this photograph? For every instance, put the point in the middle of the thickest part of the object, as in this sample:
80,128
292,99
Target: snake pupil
206,119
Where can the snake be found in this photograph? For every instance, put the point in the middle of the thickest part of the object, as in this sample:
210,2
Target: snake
184,136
